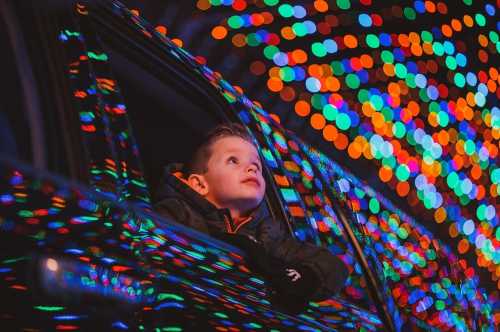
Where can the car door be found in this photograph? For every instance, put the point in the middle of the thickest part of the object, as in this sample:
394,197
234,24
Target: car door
234,105
72,255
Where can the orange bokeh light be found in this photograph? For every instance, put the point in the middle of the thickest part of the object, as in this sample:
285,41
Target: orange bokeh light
440,215
463,246
219,32
302,108
321,6
350,41
318,121
341,142
403,188
354,150
385,173
299,56
456,24
161,29
274,84
330,133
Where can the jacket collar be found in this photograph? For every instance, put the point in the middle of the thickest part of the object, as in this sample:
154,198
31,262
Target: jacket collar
173,187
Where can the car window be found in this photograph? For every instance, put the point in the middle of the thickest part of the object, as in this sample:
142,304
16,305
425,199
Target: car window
160,115
164,105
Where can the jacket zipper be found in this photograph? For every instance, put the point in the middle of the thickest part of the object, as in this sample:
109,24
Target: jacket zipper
229,224
241,225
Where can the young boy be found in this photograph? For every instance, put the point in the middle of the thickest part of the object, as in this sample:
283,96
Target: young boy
220,192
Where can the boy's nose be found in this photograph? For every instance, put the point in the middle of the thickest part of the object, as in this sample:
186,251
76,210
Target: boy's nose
252,168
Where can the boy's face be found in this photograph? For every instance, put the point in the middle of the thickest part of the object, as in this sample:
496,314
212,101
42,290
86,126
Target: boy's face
234,177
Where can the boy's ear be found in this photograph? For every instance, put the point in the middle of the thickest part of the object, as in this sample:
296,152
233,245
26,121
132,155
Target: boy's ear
198,183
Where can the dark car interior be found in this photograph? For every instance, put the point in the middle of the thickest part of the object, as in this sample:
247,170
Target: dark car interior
161,109
9,107
160,117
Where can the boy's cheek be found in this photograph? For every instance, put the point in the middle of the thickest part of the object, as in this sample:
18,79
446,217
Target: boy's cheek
261,194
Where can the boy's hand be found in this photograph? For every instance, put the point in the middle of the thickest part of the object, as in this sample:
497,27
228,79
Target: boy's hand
293,274
293,288
292,285
297,280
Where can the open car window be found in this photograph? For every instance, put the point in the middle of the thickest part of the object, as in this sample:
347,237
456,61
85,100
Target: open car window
170,107
161,112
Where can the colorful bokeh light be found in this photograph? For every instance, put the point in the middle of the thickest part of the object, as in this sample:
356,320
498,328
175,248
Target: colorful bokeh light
420,105
412,87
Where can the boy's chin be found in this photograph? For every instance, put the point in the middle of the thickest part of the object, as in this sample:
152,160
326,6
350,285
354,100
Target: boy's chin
249,204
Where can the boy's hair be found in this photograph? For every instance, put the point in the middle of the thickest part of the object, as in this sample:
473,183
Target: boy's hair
198,164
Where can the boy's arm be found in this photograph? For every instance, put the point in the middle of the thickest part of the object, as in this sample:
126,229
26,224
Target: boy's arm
331,272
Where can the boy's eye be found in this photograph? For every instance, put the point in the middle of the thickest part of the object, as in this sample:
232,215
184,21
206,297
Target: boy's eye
232,160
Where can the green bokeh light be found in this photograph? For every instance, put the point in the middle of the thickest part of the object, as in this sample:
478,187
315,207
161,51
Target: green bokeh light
299,29
318,49
399,129
402,172
459,80
352,81
270,51
480,20
343,121
387,56
344,4
400,70
374,205
410,13
285,10
330,112
451,63
235,22
426,36
452,180
372,41
271,2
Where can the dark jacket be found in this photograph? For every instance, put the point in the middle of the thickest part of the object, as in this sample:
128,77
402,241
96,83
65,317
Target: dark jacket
178,201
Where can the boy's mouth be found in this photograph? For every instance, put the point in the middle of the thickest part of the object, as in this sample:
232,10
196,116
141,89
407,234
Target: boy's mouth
252,181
